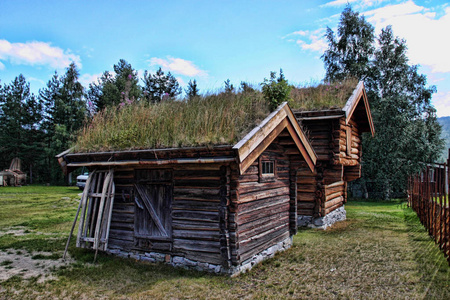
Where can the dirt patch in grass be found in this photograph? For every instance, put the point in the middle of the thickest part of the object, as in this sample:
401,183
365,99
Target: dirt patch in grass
15,231
26,265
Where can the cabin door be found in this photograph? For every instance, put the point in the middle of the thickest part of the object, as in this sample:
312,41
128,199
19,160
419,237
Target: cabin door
153,204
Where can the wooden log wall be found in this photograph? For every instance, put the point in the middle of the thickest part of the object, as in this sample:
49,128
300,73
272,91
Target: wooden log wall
320,136
347,143
199,194
335,196
296,161
260,208
338,146
218,216
309,194
122,220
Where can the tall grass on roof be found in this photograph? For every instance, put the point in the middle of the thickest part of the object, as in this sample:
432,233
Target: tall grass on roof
322,96
221,119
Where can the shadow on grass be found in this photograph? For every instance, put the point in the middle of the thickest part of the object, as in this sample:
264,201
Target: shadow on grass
33,244
433,266
122,276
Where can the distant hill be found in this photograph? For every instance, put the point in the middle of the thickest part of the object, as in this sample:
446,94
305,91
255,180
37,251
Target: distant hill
445,122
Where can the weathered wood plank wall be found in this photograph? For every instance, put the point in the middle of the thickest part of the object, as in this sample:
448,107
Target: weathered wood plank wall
217,215
338,146
261,207
347,146
197,196
195,213
335,196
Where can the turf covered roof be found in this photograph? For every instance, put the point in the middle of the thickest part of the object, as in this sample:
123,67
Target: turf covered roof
211,120
322,96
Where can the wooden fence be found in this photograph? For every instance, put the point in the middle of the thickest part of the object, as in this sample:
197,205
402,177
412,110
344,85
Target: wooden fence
428,197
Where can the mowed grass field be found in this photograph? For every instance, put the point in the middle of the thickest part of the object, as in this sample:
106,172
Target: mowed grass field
380,252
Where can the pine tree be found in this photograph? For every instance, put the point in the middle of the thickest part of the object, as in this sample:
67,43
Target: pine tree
159,87
229,88
65,111
246,88
192,90
110,90
20,122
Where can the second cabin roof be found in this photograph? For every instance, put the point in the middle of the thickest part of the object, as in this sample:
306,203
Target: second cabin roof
356,106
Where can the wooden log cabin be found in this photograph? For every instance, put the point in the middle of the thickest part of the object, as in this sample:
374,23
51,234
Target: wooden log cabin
217,208
335,135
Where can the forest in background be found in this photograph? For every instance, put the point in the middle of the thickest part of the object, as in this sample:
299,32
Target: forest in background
37,127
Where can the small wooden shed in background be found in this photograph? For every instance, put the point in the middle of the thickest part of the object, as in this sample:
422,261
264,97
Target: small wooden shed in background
335,135
14,176
217,208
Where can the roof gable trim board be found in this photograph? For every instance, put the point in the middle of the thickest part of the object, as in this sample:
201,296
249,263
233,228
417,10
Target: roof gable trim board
349,108
254,143
351,103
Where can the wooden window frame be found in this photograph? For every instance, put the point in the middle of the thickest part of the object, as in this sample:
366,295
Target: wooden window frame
349,140
267,176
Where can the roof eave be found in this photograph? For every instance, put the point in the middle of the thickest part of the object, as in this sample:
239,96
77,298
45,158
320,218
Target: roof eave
255,142
358,93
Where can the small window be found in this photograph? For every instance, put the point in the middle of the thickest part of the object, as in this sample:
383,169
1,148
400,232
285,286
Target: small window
267,167
349,140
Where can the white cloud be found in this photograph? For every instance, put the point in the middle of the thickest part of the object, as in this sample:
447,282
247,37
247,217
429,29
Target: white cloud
181,82
311,40
441,101
140,73
337,3
358,3
424,33
300,32
40,81
2,66
37,53
177,66
86,79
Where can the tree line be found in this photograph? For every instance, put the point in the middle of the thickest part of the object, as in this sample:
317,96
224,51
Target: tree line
407,131
37,127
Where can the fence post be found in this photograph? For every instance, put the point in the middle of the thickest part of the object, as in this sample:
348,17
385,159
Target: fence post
447,177
429,198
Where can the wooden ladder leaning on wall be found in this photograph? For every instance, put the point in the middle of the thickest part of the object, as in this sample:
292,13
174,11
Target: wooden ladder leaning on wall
96,206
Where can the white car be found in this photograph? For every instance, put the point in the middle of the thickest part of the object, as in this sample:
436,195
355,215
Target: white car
81,180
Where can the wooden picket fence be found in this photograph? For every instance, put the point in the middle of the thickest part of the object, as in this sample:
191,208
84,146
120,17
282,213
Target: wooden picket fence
428,197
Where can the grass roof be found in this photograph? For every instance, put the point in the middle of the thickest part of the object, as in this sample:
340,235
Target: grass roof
322,96
220,119
209,120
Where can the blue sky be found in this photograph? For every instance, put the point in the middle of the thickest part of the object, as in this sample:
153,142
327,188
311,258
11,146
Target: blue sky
209,41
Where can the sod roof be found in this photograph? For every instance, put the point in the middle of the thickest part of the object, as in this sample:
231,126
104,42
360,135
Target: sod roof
322,96
222,119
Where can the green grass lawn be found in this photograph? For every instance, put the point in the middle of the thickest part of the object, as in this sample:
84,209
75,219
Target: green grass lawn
380,252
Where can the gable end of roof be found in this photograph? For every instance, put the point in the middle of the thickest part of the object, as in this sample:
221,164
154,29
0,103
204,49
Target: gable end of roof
358,95
254,143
